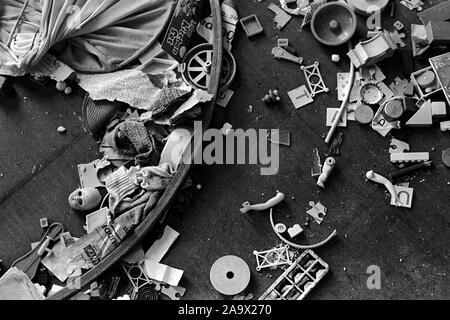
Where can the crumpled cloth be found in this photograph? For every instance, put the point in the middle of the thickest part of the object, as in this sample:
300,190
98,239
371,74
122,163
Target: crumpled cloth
124,182
154,178
88,35
15,285
143,140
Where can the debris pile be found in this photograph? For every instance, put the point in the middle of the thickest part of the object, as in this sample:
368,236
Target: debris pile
140,97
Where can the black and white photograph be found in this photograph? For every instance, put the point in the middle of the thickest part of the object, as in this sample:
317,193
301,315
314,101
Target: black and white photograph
216,156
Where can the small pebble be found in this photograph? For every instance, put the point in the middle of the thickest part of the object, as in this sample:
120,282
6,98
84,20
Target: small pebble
62,130
61,86
199,187
335,58
68,90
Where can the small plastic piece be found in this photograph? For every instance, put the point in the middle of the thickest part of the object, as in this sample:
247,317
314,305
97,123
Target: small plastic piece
316,169
272,97
283,43
295,231
61,85
364,114
408,170
281,228
272,258
314,79
251,25
301,9
382,180
317,211
410,157
423,117
371,93
327,169
281,17
282,137
398,146
446,158
300,97
335,58
372,51
399,25
335,147
332,114
226,129
62,130
425,82
404,197
299,279
413,4
438,109
393,109
246,206
283,54
43,223
445,126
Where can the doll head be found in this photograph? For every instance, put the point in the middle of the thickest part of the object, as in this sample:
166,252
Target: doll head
85,199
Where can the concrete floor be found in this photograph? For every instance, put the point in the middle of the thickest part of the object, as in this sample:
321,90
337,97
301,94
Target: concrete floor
410,246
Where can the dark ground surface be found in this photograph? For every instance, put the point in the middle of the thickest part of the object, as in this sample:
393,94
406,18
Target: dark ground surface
410,246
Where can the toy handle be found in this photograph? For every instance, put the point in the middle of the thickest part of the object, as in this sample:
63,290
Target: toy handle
43,247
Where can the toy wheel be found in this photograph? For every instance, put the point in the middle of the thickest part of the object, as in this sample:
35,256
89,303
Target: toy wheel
196,67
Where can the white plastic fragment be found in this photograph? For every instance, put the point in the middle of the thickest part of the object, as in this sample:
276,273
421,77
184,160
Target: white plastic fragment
335,58
246,206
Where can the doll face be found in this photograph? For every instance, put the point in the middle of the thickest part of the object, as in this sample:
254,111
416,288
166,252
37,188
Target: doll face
85,199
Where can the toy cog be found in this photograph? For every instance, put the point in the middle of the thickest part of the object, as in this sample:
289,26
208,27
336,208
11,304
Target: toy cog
371,93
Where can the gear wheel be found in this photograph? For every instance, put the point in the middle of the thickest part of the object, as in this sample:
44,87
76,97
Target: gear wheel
371,93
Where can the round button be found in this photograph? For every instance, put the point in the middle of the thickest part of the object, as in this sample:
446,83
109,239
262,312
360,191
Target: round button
364,114
280,228
426,79
446,158
393,110
371,94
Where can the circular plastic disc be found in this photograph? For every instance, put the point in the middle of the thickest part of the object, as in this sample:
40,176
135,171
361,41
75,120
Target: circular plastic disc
426,79
281,228
371,93
230,275
364,114
333,24
446,158
393,109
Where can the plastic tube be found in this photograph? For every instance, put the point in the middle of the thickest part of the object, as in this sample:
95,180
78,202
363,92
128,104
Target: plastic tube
344,102
246,206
